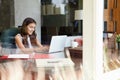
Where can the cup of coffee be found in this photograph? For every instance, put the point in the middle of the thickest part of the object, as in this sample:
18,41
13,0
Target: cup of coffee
74,44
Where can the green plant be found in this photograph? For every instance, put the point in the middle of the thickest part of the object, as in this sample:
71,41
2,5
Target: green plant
118,38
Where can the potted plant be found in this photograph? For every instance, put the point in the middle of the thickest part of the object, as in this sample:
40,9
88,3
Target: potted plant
118,41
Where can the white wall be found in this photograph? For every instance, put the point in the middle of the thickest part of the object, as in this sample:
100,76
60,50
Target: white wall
28,8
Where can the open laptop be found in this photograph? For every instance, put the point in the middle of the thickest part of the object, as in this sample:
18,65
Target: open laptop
56,47
57,44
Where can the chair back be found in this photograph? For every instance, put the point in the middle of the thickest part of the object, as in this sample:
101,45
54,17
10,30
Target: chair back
7,38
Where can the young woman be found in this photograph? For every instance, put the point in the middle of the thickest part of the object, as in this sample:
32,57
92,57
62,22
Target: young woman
27,38
27,41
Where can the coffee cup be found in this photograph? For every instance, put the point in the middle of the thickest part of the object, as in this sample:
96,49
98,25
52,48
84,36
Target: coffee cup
74,44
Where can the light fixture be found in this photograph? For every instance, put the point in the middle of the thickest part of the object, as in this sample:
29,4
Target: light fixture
78,15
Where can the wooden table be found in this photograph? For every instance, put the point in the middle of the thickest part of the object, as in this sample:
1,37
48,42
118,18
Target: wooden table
76,56
76,52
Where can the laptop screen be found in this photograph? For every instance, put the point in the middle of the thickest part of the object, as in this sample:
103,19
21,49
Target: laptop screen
57,43
56,48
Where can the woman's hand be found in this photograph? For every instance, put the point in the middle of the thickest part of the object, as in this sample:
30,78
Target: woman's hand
42,49
46,47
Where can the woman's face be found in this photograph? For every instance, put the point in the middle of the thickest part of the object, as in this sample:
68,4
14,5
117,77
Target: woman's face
30,28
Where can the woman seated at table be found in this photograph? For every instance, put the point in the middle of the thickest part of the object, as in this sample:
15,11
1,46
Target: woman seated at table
27,42
27,39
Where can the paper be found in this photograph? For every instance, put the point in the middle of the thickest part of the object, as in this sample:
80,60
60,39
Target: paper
54,62
18,56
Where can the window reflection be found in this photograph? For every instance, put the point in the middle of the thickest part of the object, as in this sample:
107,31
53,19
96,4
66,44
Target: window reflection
110,34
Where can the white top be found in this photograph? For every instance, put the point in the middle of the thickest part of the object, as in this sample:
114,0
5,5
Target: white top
28,40
29,44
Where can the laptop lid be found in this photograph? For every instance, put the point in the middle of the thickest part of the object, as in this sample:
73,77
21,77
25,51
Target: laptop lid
57,43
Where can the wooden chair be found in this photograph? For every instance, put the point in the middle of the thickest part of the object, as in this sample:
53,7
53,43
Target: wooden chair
112,41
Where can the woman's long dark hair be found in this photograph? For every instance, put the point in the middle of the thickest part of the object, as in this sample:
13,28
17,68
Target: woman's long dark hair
23,32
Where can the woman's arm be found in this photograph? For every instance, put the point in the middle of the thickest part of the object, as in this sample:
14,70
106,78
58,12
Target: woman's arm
41,47
20,45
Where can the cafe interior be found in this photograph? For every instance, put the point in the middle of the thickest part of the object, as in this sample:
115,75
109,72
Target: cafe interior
91,40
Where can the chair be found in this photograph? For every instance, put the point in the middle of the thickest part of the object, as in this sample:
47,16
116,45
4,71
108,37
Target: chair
7,38
111,41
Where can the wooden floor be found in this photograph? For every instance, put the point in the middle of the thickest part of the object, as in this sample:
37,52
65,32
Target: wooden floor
78,67
111,60
76,56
